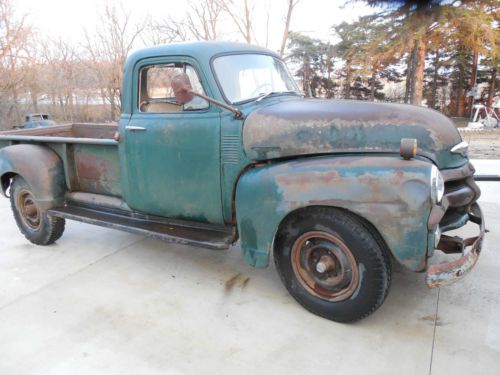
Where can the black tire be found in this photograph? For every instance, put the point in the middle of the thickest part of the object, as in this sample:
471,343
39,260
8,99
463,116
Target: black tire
36,225
333,263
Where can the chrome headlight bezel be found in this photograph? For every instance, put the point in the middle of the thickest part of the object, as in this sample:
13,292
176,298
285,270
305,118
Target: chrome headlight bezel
437,185
437,236
461,148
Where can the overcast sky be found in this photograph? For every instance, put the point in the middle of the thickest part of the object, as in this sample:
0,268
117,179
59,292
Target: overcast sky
68,18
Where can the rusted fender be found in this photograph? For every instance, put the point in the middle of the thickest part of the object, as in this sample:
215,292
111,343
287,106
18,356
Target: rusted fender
42,169
390,193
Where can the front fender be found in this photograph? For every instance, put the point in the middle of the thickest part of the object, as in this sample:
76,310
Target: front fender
390,193
42,169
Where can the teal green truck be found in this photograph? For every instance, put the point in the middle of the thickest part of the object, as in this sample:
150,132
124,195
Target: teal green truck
216,146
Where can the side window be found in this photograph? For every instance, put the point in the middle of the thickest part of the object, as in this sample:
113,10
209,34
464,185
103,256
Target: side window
155,89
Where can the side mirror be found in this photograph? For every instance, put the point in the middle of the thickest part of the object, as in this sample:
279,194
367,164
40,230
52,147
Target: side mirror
183,91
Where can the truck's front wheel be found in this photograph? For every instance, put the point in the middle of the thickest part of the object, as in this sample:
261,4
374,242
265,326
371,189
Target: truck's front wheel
36,225
333,264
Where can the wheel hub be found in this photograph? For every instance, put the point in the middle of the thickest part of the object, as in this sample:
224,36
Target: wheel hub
28,209
325,266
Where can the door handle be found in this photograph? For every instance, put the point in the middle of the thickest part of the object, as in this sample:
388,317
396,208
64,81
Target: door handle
135,128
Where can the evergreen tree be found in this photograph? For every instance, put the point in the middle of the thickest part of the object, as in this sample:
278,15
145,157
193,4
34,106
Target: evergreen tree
477,31
315,64
367,55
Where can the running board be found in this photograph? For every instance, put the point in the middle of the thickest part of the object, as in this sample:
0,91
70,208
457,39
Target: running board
185,233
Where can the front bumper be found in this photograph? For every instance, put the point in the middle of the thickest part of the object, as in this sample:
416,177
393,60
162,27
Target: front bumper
470,248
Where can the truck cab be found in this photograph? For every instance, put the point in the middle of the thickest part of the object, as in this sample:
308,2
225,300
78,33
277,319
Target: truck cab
216,145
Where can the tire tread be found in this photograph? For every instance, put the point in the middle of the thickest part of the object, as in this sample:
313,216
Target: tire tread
380,260
52,228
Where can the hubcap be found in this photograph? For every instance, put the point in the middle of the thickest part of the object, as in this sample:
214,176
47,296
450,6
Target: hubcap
30,214
325,266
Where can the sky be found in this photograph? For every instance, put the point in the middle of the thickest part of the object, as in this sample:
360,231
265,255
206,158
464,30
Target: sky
67,18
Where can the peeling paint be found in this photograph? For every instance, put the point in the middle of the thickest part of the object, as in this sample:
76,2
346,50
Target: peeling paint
390,193
305,127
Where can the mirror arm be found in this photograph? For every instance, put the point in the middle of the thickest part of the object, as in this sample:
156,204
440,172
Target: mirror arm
237,112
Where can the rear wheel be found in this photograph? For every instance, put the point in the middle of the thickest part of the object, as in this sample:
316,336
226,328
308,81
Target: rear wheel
333,263
34,222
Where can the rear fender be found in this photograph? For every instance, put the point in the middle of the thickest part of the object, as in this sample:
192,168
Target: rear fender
42,169
391,194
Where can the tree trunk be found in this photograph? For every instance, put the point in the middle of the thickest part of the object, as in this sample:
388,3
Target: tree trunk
347,87
461,93
433,98
287,26
491,89
418,74
34,101
306,81
408,76
17,113
410,80
372,87
112,111
63,107
248,23
473,77
452,107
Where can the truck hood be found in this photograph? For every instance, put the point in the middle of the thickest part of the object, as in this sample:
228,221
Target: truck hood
312,126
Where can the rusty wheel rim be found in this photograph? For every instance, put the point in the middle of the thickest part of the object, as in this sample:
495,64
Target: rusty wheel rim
30,214
325,266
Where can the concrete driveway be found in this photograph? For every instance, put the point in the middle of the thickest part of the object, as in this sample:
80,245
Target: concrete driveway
106,302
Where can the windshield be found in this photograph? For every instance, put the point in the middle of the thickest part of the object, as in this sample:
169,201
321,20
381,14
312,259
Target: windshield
248,76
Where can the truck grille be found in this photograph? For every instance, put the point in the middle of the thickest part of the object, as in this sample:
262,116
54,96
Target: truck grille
461,191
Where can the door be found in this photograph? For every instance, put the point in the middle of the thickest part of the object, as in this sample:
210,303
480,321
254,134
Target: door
170,153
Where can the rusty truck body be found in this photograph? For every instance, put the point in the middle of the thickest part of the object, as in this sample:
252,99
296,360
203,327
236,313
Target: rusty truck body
216,144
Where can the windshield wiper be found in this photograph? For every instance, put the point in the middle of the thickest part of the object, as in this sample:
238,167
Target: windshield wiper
263,96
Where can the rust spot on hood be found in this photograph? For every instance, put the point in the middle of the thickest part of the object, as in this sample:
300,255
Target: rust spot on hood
305,127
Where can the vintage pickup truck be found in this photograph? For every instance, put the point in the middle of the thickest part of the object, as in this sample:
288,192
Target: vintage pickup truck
216,144
37,120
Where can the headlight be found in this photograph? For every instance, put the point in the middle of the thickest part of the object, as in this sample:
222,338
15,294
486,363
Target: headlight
437,185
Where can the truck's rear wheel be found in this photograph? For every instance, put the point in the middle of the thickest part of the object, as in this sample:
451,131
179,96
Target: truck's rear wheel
36,225
333,264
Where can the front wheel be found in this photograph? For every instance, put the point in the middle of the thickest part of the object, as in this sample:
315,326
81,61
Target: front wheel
36,225
333,263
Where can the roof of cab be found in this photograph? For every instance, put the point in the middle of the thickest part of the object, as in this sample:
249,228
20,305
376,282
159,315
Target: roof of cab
202,51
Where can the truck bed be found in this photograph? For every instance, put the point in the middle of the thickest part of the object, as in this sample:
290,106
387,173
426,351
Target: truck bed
88,151
74,131
92,171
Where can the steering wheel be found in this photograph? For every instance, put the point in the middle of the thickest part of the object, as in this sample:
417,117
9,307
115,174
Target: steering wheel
258,91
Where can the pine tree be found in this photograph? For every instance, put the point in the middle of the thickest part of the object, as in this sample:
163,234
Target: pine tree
478,33
367,55
315,64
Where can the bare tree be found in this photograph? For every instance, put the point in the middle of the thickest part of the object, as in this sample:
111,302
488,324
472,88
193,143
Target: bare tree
202,19
163,31
58,77
291,5
200,22
267,7
14,38
242,16
108,47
